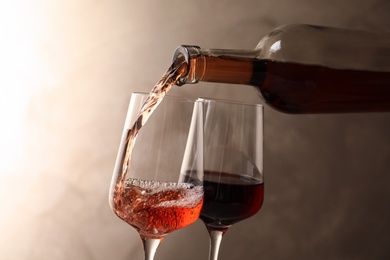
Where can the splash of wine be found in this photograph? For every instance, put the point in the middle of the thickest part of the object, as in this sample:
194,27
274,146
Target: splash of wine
156,95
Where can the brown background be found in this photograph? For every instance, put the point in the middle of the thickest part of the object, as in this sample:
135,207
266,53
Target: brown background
67,69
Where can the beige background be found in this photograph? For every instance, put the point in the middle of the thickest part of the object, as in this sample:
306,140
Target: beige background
67,69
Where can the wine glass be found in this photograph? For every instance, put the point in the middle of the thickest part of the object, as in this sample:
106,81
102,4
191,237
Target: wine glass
233,166
157,182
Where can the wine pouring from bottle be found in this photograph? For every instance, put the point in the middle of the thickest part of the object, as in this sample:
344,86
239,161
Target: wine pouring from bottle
303,69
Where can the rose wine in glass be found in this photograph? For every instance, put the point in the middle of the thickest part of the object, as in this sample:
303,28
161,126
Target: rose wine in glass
233,166
157,182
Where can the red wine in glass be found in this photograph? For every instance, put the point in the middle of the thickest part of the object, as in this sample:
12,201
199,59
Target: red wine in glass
229,198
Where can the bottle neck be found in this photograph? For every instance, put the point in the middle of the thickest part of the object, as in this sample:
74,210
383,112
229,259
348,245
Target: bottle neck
216,65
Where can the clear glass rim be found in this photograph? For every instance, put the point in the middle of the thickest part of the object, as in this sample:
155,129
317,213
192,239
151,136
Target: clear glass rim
234,102
207,99
168,96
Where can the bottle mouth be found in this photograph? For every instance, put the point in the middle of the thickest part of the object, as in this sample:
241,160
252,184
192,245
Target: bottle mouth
186,52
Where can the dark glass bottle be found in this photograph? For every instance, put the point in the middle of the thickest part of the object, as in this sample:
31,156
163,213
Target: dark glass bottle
303,69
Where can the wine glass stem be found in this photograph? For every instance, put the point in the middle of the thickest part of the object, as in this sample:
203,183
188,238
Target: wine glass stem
215,242
150,247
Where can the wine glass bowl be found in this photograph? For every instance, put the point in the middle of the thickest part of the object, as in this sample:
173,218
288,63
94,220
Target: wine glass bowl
233,166
157,181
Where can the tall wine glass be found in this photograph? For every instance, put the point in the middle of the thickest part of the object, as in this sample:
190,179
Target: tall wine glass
233,166
157,182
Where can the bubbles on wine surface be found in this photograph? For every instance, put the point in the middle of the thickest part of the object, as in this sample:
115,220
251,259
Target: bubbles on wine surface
166,194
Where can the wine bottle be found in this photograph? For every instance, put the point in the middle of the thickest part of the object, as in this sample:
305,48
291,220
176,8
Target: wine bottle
303,69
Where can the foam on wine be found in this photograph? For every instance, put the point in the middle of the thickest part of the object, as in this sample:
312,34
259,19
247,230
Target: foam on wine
189,195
